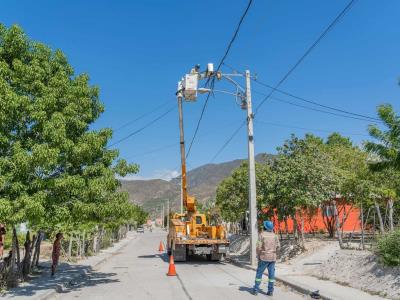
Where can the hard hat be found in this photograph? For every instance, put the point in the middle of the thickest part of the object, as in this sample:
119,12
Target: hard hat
268,225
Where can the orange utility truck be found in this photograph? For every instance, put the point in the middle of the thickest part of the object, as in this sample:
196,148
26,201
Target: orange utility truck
189,232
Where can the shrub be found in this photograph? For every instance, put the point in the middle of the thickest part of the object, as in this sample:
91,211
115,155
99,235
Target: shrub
388,248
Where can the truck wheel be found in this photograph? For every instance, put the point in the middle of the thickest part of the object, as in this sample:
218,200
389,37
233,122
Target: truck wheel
216,256
179,253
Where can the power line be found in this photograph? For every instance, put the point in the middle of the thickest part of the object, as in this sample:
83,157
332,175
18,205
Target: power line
308,51
309,129
320,110
316,103
142,116
144,127
316,109
227,142
300,60
218,68
153,151
164,147
358,116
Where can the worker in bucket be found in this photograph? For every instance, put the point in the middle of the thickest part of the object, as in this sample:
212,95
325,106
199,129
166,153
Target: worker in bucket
267,246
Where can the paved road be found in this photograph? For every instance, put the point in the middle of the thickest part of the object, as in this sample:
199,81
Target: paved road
138,271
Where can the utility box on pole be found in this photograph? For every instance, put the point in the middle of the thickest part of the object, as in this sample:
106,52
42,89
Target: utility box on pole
190,83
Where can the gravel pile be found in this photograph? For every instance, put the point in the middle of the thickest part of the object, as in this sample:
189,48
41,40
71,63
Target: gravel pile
361,270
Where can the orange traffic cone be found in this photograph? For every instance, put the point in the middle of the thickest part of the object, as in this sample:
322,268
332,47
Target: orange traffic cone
161,247
171,269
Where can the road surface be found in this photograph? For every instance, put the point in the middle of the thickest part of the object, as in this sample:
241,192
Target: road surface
138,271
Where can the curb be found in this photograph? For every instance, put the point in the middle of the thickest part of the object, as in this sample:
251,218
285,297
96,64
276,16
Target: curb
294,286
59,288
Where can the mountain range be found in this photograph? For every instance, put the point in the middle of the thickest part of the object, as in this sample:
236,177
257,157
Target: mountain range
202,183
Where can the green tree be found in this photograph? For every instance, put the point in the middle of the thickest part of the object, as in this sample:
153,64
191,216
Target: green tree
386,153
232,192
305,177
387,147
353,183
56,173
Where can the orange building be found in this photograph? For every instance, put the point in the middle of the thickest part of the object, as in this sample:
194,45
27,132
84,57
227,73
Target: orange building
323,218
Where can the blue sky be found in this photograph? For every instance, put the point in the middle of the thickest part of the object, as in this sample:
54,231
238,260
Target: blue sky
136,51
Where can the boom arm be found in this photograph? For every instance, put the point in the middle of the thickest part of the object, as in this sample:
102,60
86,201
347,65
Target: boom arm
188,202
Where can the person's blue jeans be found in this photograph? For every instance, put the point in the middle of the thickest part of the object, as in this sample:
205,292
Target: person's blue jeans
262,265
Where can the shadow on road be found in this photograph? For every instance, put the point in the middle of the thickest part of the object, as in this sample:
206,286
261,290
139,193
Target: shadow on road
162,256
67,278
250,290
194,260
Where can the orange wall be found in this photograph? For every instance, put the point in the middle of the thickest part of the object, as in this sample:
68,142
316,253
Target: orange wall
316,223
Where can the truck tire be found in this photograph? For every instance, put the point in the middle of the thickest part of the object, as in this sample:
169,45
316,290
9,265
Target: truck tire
180,253
216,256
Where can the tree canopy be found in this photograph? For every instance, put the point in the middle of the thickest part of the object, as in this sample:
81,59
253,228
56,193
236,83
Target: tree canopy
55,170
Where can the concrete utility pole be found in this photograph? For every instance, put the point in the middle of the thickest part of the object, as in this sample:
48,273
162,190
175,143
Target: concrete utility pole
252,176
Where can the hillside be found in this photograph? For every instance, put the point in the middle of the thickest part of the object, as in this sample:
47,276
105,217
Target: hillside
203,182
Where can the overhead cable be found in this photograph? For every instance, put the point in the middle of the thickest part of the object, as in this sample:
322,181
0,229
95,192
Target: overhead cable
213,79
299,61
144,127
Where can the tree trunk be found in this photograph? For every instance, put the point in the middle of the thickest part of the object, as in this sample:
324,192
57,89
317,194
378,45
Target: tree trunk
303,241
12,274
286,227
26,264
78,245
31,254
36,255
295,232
18,253
390,204
362,226
378,212
39,243
70,246
95,239
338,231
83,244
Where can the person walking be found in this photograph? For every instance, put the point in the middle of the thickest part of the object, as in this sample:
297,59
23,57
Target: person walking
56,252
267,246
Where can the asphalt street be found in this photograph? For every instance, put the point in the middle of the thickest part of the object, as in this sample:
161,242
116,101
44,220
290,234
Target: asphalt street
138,271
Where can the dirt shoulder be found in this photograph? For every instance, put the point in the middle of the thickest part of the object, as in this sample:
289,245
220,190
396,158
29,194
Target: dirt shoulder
361,270
325,260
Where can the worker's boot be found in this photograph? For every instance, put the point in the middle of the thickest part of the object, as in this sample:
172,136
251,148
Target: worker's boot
254,291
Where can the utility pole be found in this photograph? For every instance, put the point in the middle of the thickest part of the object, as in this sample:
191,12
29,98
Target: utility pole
162,216
179,96
168,215
252,176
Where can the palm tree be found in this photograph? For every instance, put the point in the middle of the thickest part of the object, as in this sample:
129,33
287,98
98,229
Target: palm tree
388,146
